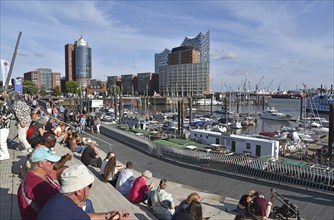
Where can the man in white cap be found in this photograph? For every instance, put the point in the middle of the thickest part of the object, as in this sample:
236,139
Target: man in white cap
38,186
76,182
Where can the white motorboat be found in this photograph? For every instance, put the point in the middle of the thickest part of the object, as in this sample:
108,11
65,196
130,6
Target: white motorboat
203,102
273,114
314,122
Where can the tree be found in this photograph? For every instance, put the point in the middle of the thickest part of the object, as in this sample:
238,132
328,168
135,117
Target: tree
29,87
56,91
72,87
115,90
43,92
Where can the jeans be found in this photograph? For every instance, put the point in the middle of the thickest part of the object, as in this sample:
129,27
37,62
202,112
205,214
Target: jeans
243,212
79,149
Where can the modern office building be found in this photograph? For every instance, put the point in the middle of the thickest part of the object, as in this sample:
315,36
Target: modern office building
187,71
78,62
44,78
128,84
184,79
148,83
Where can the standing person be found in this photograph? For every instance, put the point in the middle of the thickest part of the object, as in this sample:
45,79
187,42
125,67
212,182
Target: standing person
162,202
90,155
140,190
5,116
98,124
34,103
22,113
92,124
82,123
76,182
125,179
38,186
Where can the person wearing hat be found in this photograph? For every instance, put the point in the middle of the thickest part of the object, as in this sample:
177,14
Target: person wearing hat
38,186
90,155
5,116
76,182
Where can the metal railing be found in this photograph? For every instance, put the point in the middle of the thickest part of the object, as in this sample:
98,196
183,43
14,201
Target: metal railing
305,176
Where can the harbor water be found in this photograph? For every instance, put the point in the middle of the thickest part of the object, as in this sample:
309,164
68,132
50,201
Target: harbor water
287,106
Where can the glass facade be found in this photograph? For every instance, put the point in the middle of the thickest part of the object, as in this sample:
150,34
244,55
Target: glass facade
45,78
184,79
201,43
161,59
83,62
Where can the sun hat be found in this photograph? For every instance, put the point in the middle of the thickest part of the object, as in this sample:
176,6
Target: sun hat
74,178
41,154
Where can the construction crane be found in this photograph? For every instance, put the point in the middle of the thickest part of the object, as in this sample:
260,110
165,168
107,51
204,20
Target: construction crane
271,82
257,87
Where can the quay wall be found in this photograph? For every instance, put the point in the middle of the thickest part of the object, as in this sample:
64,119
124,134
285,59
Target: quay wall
301,177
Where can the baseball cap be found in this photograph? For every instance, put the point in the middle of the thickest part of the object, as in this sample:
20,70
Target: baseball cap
75,177
41,154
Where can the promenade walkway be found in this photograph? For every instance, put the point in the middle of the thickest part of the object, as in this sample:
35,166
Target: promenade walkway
104,196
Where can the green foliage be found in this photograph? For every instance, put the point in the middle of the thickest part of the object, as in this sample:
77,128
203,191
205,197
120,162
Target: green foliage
29,87
115,90
72,87
43,92
56,91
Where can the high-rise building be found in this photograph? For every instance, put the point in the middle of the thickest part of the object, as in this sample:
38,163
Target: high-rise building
78,62
69,62
187,70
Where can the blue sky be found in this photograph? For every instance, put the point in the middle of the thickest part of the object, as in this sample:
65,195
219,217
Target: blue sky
285,42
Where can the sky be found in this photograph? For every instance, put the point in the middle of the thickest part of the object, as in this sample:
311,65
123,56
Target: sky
269,44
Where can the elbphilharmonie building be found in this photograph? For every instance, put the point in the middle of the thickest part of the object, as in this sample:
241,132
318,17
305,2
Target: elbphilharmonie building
185,70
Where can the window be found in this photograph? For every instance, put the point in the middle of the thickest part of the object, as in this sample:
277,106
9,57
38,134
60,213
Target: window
248,146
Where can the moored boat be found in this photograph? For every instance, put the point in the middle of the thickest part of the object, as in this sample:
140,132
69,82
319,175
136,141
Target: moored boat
273,114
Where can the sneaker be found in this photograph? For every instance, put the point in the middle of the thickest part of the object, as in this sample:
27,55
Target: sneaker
27,150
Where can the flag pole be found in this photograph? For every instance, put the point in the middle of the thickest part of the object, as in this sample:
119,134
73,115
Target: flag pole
12,62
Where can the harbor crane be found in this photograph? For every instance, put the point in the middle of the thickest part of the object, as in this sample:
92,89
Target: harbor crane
257,87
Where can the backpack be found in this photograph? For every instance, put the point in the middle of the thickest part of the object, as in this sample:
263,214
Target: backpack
30,132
